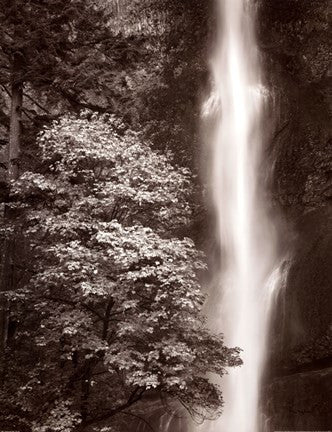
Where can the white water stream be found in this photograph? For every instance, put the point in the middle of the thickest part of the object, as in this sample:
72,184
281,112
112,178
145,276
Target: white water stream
245,231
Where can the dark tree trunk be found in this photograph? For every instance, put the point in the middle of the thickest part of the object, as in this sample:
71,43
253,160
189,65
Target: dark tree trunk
13,153
14,147
85,392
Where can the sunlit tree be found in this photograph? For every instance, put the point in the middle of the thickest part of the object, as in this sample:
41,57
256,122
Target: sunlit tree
114,296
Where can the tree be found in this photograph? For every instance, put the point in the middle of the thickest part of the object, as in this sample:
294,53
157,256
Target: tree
57,56
128,58
170,90
41,46
114,297
61,55
54,53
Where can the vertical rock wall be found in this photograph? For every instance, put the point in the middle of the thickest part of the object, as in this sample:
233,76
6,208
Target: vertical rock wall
294,38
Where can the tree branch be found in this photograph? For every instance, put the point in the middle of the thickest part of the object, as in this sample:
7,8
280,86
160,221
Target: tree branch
6,90
133,398
109,307
76,103
73,303
36,103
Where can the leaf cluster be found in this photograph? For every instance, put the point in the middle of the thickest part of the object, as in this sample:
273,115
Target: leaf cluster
115,295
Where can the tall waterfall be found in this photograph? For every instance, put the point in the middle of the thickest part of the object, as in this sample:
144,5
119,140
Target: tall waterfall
245,232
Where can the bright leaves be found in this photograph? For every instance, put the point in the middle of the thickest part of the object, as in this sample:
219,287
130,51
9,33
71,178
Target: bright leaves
117,294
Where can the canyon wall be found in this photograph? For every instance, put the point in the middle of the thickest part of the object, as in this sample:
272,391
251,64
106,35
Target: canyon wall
296,47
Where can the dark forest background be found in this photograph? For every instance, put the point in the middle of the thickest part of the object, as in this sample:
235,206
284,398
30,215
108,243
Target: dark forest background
99,119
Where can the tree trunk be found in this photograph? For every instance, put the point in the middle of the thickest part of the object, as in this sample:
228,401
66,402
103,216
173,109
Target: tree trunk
13,153
85,392
14,147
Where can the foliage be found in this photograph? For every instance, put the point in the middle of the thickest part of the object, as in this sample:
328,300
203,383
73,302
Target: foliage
297,33
114,297
174,107
141,60
73,55
296,46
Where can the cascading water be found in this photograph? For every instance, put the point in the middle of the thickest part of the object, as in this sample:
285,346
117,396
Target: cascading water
245,231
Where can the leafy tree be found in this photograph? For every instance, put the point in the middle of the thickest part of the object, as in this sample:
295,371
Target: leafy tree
59,54
178,76
55,55
113,296
142,60
110,56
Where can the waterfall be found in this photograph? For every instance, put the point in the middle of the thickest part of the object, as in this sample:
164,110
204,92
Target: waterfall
246,234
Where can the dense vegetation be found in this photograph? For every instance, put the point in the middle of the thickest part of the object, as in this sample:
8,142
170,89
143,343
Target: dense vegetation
295,41
99,289
101,304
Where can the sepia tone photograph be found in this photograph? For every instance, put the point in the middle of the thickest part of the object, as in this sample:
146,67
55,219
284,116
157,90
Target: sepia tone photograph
165,216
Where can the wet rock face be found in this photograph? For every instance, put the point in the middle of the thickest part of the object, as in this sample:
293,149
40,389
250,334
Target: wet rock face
296,47
298,381
300,402
302,326
298,391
